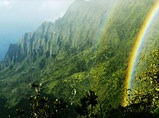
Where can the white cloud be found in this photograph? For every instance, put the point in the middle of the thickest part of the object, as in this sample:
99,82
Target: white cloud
33,9
6,3
56,7
87,0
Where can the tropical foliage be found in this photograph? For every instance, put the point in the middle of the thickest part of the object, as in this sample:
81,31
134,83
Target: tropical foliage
87,49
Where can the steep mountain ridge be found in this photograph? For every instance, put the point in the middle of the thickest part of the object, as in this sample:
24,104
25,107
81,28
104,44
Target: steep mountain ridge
50,38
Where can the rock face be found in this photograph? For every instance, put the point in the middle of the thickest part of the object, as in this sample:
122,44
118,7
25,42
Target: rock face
78,29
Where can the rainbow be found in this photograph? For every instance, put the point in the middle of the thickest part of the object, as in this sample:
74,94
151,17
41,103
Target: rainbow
137,49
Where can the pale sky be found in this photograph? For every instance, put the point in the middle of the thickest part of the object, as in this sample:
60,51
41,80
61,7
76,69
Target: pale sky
20,16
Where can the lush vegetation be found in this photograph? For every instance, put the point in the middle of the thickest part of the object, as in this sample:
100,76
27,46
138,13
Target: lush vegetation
72,54
143,101
41,106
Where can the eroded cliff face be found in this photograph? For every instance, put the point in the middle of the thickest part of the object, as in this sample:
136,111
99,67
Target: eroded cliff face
77,30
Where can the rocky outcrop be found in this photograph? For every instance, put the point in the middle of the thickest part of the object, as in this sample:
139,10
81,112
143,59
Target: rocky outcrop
77,29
